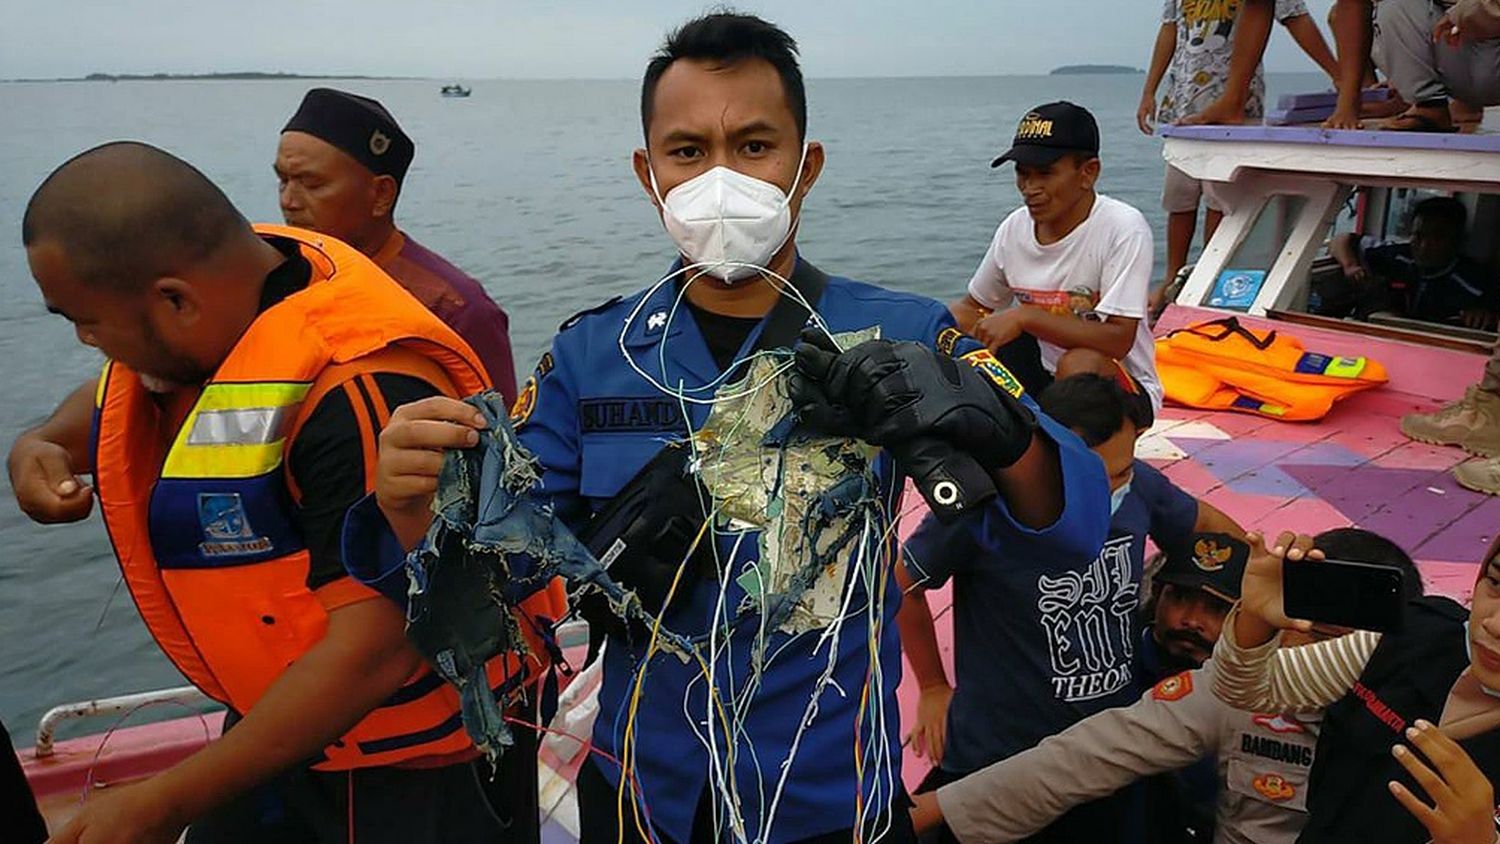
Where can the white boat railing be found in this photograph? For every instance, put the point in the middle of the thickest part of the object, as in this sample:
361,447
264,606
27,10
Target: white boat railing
46,728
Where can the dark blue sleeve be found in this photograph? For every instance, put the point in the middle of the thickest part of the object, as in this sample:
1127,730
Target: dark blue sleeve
1174,513
936,552
372,554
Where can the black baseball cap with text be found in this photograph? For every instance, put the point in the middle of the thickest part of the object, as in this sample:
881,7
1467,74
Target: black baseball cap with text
1048,132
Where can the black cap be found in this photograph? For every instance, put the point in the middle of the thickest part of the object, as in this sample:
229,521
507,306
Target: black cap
357,125
1213,562
1048,132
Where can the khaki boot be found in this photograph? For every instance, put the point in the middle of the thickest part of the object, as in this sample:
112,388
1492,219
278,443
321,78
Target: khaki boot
1480,475
1472,423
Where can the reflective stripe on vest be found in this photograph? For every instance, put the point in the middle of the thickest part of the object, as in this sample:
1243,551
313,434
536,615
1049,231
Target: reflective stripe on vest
205,528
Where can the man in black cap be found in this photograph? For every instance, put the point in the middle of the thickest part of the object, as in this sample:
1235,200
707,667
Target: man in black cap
1064,285
341,163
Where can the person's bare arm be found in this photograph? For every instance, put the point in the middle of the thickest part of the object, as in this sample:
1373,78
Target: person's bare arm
919,642
1032,487
967,311
1213,520
1304,30
1161,58
45,461
359,663
1252,31
1114,336
1343,250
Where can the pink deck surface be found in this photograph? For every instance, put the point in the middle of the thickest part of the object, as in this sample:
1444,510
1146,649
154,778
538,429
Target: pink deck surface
1352,468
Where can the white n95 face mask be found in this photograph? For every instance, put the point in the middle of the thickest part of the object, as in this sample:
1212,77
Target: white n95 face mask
726,223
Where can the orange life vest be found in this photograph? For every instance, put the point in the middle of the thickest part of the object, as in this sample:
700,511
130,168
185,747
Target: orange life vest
1221,365
205,528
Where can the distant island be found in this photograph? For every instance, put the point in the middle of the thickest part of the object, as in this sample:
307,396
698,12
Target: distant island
237,75
1082,69
250,75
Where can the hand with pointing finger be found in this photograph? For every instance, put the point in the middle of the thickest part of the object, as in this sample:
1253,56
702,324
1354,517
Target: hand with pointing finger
46,487
1462,809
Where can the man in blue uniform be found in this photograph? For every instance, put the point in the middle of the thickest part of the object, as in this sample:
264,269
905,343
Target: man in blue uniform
764,734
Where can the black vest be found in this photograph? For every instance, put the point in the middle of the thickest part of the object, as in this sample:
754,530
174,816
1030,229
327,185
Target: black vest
1408,677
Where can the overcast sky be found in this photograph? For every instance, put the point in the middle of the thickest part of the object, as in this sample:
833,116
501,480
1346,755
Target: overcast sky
568,38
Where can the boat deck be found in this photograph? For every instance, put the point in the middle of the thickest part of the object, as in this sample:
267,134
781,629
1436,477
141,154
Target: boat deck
1353,467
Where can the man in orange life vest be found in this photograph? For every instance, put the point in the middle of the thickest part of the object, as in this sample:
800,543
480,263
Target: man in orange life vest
250,371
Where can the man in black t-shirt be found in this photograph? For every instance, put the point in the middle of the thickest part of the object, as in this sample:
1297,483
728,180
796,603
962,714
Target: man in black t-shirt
1427,279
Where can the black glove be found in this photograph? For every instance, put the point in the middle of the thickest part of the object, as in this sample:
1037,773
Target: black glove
887,393
946,423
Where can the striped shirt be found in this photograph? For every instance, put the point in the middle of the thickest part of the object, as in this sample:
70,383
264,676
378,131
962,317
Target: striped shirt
1305,678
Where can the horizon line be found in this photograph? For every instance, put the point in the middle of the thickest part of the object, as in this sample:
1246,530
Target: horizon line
281,76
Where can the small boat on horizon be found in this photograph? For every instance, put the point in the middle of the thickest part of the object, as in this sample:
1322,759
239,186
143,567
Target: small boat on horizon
456,90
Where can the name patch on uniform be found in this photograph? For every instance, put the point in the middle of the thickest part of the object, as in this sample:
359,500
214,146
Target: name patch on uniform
1276,751
226,527
629,415
994,370
1274,787
1176,687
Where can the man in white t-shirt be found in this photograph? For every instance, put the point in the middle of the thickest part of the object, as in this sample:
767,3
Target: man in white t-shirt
1062,289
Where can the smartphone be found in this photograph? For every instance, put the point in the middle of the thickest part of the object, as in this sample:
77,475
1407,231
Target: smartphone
1343,593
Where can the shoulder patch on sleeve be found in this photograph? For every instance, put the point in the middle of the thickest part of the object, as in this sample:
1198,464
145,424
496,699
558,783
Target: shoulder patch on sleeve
520,412
984,361
1176,687
947,339
573,320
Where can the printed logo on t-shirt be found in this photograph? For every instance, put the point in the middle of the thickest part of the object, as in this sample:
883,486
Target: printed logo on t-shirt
1077,301
1086,617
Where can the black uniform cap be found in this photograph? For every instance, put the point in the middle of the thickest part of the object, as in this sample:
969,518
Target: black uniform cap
357,125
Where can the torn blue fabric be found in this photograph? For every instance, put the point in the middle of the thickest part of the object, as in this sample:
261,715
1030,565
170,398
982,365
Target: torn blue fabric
492,543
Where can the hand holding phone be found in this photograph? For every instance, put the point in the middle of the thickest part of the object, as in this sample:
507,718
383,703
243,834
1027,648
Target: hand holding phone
1261,615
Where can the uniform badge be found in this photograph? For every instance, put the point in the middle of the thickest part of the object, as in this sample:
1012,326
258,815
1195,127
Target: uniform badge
656,322
525,403
1210,556
544,365
947,340
1278,723
379,142
1176,687
1274,787
226,526
994,370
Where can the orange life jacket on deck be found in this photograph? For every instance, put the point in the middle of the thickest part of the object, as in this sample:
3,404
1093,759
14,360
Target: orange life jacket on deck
1221,365
205,528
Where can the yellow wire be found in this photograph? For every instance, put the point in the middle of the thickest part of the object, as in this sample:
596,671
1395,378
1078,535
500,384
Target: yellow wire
627,750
